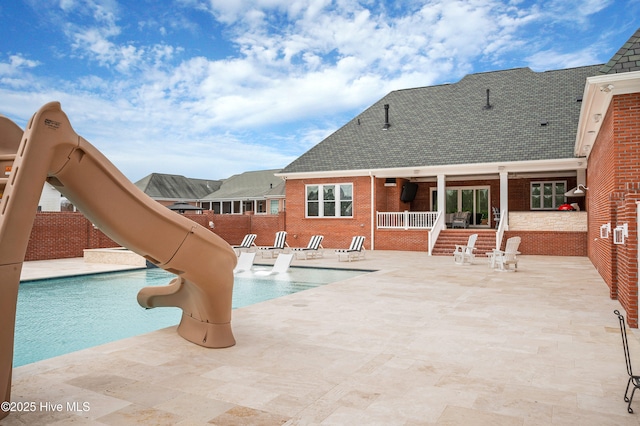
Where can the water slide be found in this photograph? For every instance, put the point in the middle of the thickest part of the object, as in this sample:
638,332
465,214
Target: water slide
50,150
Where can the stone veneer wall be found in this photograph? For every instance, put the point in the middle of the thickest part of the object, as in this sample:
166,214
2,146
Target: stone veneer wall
548,221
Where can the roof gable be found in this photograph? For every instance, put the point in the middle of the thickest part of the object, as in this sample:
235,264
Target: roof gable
450,124
254,184
626,59
176,187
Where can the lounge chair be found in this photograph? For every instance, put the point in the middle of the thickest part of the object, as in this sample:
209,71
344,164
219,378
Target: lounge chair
355,250
504,259
247,242
312,250
278,245
245,262
464,254
282,263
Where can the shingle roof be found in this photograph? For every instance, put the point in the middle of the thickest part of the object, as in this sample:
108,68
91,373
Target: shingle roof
176,187
449,124
627,59
249,185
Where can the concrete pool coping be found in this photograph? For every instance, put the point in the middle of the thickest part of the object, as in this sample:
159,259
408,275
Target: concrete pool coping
420,341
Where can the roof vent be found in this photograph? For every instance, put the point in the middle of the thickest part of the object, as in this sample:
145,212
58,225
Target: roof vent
386,117
488,105
544,122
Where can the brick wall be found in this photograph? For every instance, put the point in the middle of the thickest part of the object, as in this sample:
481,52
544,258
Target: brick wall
405,240
60,235
337,232
550,243
612,177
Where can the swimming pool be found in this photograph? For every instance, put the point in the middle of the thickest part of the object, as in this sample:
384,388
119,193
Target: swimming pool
62,315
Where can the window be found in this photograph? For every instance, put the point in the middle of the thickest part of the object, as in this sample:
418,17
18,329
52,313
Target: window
547,195
330,200
274,206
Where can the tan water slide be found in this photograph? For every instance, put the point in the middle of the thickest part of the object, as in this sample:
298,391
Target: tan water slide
50,150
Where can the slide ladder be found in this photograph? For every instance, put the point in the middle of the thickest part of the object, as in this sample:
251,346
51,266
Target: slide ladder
50,150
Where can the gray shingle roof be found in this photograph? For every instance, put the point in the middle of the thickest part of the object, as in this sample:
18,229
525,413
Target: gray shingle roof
449,124
249,185
626,59
176,187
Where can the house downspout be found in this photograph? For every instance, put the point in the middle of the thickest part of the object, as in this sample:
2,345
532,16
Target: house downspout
373,210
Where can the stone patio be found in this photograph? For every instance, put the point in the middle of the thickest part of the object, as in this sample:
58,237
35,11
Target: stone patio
419,342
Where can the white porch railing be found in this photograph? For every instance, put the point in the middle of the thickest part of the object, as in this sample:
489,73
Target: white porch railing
406,220
502,226
435,232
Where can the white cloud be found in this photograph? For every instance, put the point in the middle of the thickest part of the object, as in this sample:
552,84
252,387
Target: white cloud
311,62
550,59
16,64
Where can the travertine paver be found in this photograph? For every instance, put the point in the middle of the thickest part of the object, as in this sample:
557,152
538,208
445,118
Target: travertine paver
421,341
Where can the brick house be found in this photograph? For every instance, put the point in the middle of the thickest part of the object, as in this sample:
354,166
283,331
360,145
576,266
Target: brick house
498,140
520,142
254,192
608,137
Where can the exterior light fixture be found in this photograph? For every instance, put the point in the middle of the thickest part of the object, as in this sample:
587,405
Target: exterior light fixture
580,189
605,230
620,232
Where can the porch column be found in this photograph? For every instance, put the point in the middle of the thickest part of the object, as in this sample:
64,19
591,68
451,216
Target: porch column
504,198
442,208
581,177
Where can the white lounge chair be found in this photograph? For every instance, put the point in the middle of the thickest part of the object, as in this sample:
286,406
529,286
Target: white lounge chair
245,262
355,250
312,250
464,254
247,242
278,245
282,263
504,259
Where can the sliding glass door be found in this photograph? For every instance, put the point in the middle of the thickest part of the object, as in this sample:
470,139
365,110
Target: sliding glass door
466,199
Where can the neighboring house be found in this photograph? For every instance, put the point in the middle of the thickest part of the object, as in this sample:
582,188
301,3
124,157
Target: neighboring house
519,141
259,192
172,189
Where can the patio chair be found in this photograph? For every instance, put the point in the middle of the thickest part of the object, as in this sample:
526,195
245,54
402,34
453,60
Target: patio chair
504,259
635,380
282,263
245,262
355,250
278,245
464,254
247,242
461,220
496,216
312,250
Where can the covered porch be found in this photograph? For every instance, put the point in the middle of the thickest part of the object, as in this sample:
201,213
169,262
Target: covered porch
504,199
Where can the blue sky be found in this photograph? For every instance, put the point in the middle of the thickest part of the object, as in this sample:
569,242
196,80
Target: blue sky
211,88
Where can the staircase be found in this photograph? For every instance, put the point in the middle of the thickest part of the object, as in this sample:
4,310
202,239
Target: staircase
449,238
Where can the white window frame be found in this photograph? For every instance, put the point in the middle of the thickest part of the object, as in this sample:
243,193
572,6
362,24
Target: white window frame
338,201
554,183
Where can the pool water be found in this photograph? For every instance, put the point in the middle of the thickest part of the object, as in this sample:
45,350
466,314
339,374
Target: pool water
62,315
